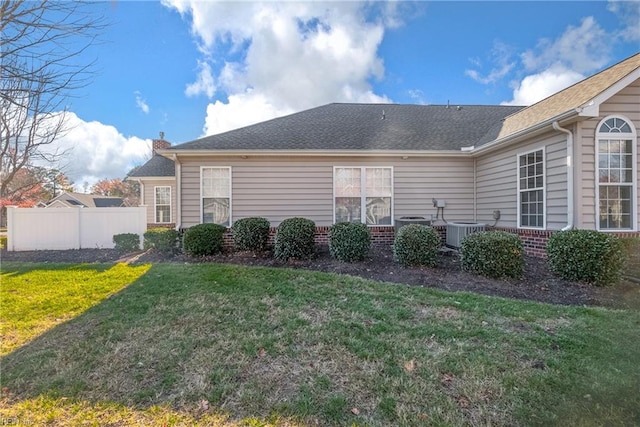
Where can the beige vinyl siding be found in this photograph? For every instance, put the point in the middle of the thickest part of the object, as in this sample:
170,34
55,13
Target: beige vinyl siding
149,197
625,103
279,188
496,182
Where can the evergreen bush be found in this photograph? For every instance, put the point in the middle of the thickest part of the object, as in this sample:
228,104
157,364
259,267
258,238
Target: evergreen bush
416,245
203,239
161,239
251,234
495,254
586,256
127,242
295,238
349,241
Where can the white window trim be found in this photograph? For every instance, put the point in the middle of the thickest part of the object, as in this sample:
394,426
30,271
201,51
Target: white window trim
363,197
544,189
634,173
230,192
155,204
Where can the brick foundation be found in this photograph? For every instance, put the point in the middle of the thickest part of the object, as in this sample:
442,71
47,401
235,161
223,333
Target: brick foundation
534,241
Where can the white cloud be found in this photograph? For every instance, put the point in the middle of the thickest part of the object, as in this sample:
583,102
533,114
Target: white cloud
556,64
95,151
418,96
629,14
582,49
240,110
538,86
280,57
141,103
501,57
204,83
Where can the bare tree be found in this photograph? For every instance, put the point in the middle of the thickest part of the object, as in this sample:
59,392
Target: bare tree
43,61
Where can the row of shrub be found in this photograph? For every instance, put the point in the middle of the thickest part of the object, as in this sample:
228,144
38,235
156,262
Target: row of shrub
577,255
160,239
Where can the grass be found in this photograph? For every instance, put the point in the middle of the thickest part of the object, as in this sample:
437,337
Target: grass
229,345
34,301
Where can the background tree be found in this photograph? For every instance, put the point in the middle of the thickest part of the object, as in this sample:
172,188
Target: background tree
33,185
55,182
43,61
128,190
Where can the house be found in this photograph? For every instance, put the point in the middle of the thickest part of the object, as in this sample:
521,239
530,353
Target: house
157,179
81,200
568,161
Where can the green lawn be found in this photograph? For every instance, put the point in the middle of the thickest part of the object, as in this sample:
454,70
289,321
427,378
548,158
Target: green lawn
209,344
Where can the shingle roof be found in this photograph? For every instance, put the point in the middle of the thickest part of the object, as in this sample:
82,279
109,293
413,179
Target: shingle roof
570,98
336,127
156,166
89,200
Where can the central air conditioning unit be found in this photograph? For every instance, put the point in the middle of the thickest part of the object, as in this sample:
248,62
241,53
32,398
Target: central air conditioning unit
410,220
457,231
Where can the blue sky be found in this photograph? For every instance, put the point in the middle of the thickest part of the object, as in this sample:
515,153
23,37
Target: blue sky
193,68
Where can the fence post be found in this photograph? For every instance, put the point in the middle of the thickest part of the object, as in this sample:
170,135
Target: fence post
142,223
79,223
11,210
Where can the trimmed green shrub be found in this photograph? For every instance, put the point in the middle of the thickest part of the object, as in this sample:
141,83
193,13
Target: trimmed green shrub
127,242
349,241
251,234
161,239
632,267
416,244
3,242
294,239
494,254
586,256
203,239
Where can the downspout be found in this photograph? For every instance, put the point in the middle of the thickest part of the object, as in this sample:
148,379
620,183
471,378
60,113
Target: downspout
570,180
178,192
141,192
475,190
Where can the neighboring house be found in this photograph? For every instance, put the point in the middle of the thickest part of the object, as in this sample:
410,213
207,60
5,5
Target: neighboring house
75,200
157,179
568,161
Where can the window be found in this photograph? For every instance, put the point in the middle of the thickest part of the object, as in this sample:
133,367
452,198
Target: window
616,174
216,195
363,194
531,203
163,204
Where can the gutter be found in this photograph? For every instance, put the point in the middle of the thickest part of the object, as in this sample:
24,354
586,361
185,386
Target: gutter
570,183
499,143
178,191
244,154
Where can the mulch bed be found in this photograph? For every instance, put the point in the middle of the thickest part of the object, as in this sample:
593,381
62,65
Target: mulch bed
538,284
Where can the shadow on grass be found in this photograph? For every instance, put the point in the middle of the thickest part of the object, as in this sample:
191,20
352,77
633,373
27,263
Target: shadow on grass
236,333
95,367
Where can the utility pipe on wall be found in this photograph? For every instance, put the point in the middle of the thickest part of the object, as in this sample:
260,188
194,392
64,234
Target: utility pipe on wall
178,192
570,203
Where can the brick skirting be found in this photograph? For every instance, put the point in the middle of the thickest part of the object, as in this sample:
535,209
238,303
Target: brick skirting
534,241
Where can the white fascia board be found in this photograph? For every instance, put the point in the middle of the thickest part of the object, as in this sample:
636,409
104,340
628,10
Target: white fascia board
592,108
525,133
315,153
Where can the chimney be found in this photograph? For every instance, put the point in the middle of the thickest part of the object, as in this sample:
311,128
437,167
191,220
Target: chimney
160,144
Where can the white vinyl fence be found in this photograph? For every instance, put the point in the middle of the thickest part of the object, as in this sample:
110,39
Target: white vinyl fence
71,228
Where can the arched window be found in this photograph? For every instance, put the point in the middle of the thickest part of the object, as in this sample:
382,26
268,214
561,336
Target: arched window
616,174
